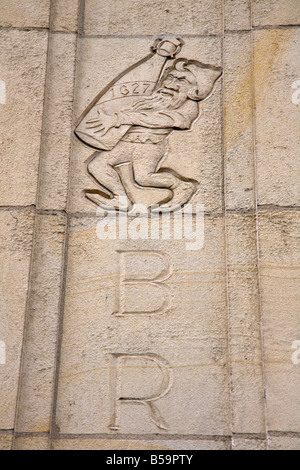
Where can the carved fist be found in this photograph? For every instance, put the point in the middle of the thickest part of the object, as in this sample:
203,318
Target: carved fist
168,47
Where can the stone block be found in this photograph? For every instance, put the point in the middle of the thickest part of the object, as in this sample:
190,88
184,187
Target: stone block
275,12
57,122
144,17
238,122
64,15
6,441
16,228
31,443
276,78
244,325
23,56
39,356
155,444
237,14
24,14
137,339
280,283
288,442
247,443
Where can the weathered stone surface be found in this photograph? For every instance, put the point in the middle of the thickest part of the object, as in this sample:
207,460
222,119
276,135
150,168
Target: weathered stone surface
64,15
238,119
280,283
147,17
196,154
39,359
31,443
125,344
23,64
237,14
244,325
6,441
275,12
16,228
25,13
183,334
277,116
243,443
284,442
57,122
116,444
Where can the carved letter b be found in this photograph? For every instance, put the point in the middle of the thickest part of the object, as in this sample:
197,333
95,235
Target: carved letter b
141,289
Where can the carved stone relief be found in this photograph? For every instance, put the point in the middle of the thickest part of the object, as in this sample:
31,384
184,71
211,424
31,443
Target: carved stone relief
125,324
130,120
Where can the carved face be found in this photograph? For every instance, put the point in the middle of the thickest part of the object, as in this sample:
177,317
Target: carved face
173,92
178,82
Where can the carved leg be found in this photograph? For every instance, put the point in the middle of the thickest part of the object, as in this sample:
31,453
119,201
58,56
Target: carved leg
145,173
145,160
101,169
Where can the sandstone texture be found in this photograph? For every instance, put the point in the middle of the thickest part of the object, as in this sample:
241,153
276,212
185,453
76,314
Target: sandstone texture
125,325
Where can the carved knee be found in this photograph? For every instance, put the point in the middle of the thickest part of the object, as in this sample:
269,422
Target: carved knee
143,178
96,166
91,166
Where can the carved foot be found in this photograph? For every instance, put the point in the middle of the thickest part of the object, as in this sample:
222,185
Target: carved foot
115,203
182,194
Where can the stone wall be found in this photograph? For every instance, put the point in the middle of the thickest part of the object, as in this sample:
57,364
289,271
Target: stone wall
145,344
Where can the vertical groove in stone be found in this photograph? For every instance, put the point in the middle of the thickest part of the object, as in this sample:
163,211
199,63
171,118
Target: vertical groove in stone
244,352
54,430
30,273
247,387
257,228
225,231
81,18
238,122
222,113
53,174
39,342
47,262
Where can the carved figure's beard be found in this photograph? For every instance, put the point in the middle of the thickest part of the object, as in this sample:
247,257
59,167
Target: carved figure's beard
163,98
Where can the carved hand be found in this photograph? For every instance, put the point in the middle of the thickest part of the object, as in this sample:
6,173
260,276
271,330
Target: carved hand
103,123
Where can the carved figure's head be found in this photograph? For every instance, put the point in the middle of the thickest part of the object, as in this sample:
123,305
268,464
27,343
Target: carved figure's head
190,78
178,81
185,79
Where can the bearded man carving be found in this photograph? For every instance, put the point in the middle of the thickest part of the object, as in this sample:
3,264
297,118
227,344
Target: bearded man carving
173,105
